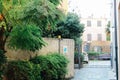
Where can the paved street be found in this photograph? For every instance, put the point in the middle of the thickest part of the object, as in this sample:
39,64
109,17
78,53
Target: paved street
95,70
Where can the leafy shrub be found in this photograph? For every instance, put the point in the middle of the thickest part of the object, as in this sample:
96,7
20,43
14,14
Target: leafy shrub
93,53
76,57
53,66
3,60
2,57
26,37
22,70
81,56
70,27
76,54
60,64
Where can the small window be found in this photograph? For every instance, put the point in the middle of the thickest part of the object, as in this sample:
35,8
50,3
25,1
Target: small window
99,23
89,37
99,37
88,23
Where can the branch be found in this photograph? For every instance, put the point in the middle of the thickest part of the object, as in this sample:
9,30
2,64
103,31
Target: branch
9,29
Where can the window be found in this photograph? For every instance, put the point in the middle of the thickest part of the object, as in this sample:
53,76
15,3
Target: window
99,37
89,37
99,23
88,23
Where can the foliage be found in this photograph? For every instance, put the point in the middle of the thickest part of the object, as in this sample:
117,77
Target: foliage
53,66
108,31
108,38
1,6
27,37
24,22
22,70
93,53
49,67
70,27
42,13
82,57
108,27
2,61
77,55
56,2
2,57
78,41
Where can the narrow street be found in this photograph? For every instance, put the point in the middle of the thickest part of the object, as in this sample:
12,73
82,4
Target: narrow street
95,70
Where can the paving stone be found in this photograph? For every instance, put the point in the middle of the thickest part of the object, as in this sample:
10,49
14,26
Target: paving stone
95,70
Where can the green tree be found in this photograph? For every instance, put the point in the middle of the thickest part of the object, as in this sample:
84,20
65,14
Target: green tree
70,27
23,23
20,20
108,31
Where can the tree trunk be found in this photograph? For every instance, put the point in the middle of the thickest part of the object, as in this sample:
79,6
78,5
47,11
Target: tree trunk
2,42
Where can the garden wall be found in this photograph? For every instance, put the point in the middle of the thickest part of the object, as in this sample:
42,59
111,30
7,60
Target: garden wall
64,46
105,45
96,45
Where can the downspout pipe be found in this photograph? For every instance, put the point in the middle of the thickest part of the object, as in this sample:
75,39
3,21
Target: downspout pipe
116,42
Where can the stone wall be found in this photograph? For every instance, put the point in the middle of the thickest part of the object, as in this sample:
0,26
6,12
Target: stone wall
64,46
104,46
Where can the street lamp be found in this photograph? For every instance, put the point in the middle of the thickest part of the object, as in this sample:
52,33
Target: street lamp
59,38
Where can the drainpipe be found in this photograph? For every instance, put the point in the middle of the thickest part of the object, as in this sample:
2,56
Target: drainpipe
116,43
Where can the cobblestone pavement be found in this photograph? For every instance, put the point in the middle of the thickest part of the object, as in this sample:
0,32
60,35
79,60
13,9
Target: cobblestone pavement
95,70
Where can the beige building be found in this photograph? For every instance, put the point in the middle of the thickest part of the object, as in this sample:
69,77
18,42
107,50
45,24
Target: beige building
95,34
94,29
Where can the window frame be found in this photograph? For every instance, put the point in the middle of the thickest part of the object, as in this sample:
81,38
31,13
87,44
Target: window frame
89,24
99,37
89,37
99,23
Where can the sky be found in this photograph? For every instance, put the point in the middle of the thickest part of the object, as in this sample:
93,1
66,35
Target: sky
92,7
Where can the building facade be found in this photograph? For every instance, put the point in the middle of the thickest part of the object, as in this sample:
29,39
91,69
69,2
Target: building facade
94,37
95,29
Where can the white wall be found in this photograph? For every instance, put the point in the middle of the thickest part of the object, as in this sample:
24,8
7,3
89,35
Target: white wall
94,29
